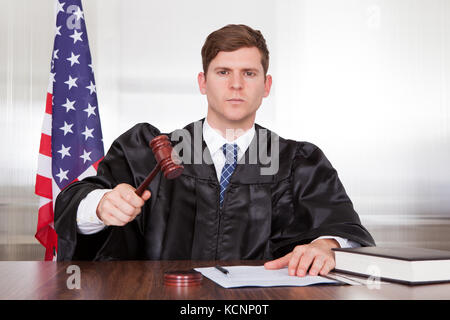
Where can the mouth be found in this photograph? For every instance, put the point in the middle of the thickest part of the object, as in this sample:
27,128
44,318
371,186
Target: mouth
235,100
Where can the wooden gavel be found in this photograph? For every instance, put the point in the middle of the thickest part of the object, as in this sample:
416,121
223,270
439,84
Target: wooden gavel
162,149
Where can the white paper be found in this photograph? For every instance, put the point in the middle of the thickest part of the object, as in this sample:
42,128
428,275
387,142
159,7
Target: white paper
258,276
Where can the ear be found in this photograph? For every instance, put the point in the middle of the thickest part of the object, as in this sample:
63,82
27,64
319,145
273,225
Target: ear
267,85
201,78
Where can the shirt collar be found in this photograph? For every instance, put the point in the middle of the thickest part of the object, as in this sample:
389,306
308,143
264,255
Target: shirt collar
214,140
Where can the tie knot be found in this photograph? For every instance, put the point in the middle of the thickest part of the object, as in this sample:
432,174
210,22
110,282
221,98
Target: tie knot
230,152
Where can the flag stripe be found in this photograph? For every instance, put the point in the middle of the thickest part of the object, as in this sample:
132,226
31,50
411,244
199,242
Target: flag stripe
48,103
45,215
45,232
43,201
47,124
43,186
91,171
44,166
46,145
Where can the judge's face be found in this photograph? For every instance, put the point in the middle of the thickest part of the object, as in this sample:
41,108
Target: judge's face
235,85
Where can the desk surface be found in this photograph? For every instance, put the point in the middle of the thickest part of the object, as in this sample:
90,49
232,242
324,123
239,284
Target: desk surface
144,280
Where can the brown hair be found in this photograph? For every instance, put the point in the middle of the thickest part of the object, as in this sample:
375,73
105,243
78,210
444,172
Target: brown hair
233,37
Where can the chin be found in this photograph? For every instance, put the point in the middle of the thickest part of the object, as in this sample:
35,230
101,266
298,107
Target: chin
235,116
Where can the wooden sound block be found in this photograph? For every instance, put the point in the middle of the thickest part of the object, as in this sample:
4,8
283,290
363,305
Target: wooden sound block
184,278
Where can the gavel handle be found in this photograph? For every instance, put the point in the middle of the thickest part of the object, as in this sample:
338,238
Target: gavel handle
140,190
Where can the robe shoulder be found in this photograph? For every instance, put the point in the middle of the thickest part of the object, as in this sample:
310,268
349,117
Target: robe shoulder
298,155
138,135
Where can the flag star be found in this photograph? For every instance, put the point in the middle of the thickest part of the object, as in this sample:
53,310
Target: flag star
73,59
76,36
86,156
60,6
69,105
91,87
90,65
87,133
58,29
64,151
79,14
55,54
62,175
71,82
90,110
67,128
52,76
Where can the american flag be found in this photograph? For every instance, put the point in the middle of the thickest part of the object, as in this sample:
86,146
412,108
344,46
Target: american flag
71,139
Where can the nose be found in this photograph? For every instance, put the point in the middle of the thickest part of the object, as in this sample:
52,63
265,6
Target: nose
236,81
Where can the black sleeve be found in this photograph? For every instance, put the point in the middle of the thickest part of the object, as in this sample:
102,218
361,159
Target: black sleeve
321,205
129,160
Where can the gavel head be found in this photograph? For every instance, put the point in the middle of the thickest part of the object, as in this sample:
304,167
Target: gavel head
162,149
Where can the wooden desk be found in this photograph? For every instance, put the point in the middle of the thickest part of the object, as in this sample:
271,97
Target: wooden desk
144,280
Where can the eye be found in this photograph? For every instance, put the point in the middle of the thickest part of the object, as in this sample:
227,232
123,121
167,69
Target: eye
250,73
223,72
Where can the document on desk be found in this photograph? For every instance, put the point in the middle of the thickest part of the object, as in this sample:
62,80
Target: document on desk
258,276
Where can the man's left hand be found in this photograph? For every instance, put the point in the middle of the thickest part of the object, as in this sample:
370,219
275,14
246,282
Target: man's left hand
317,255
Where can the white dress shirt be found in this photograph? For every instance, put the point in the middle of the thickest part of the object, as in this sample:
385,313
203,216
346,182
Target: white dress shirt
89,223
215,141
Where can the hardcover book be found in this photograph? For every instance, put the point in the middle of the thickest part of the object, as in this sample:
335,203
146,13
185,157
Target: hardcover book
405,265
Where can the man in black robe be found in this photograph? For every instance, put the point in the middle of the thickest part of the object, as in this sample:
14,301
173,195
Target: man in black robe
245,193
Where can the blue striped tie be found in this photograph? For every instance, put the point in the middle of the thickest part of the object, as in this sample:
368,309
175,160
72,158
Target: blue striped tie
230,152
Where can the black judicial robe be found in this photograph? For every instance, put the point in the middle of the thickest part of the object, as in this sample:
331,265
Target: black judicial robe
262,217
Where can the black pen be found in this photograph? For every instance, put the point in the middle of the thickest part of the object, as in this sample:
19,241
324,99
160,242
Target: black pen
222,269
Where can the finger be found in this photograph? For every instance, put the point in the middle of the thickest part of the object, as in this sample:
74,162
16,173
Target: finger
278,263
124,206
132,198
146,195
111,220
328,266
317,265
118,216
305,262
128,193
293,263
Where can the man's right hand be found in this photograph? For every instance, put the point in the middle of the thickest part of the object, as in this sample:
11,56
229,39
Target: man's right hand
121,205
